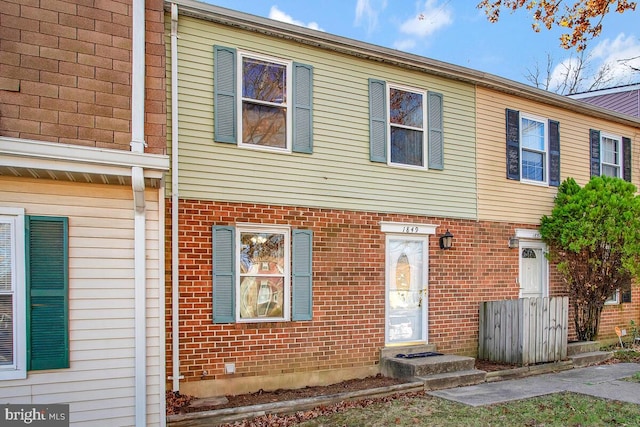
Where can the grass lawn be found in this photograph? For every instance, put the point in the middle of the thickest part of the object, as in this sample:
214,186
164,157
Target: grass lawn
561,409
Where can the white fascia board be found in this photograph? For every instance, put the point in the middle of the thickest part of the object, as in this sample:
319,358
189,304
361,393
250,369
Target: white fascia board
28,153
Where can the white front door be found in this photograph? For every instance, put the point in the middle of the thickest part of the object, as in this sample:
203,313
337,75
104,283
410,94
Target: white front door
533,270
406,289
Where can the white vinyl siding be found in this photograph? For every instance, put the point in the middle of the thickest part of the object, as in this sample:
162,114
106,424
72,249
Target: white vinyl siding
338,174
98,385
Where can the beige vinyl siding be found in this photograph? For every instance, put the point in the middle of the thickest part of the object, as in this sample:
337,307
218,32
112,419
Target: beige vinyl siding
338,174
501,199
99,385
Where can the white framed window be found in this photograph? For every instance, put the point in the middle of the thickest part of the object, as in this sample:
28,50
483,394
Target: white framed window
263,283
407,126
264,109
533,149
614,298
610,155
12,295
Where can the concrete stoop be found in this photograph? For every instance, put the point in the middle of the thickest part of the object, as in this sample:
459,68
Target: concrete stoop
590,358
453,379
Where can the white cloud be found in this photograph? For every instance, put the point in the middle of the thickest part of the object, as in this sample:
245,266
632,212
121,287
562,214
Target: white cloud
278,15
367,12
430,18
609,58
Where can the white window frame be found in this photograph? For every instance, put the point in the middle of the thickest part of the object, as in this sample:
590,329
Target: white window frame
545,152
257,228
620,165
614,299
288,104
424,128
17,370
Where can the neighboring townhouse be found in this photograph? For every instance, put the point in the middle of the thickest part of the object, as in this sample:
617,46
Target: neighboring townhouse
82,160
623,99
315,180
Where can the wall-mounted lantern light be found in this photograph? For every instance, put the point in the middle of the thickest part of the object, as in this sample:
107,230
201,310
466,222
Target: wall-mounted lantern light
446,240
514,242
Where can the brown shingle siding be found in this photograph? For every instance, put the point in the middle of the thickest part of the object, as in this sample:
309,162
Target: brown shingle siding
67,68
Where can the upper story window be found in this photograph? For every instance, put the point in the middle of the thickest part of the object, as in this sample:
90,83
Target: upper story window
262,102
610,155
533,149
265,106
407,126
611,164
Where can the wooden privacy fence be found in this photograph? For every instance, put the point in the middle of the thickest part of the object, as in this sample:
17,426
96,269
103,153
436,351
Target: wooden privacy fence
525,331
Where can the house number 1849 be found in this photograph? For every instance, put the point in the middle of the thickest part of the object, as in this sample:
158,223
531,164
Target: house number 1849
410,229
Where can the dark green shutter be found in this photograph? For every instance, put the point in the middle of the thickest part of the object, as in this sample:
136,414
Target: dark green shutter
302,260
554,153
302,108
594,143
626,159
47,274
377,121
436,133
626,296
224,95
224,294
513,144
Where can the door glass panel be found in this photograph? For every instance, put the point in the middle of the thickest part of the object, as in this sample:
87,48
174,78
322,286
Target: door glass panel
406,298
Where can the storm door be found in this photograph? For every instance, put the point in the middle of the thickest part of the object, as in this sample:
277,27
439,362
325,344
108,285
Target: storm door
406,289
533,270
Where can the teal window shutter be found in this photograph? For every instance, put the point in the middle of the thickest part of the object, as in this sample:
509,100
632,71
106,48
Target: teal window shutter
377,121
302,260
47,278
224,95
554,153
224,282
594,143
436,133
513,144
626,159
302,108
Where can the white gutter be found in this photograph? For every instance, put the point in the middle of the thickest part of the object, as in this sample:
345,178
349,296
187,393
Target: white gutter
175,253
137,183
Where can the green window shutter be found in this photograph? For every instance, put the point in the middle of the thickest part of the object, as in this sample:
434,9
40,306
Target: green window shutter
224,282
594,143
47,274
626,159
302,260
377,121
554,153
626,296
513,144
436,134
302,108
224,95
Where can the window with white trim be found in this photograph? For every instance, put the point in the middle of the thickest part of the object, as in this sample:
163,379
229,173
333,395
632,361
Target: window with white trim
12,295
265,107
407,115
610,155
533,146
262,288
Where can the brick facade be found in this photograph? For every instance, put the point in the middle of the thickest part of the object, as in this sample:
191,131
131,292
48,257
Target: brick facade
347,330
65,72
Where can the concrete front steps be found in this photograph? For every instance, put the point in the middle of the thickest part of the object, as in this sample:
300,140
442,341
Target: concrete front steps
435,371
446,371
586,353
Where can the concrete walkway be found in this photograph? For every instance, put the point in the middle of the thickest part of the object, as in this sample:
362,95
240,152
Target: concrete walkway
603,381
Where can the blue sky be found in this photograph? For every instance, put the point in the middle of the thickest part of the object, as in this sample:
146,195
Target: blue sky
459,33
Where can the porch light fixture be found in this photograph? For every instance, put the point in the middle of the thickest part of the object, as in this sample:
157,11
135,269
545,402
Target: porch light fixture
514,242
445,240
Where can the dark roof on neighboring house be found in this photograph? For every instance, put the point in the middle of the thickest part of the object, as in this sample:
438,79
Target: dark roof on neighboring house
623,99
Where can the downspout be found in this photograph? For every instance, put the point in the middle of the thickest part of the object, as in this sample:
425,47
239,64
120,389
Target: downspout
137,183
175,252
